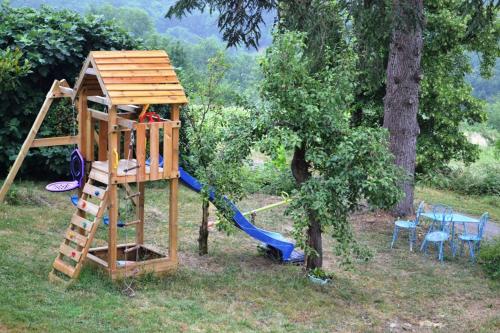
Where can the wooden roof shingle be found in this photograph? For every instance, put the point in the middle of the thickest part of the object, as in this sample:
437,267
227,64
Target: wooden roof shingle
133,77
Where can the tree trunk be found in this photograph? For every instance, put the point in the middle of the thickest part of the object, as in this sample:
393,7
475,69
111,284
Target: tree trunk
301,173
203,235
402,92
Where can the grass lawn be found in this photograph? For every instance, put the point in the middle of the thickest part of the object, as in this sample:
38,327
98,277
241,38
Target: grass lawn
234,289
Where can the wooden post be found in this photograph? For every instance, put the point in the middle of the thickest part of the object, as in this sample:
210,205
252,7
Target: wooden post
82,122
29,139
83,130
103,140
174,187
113,190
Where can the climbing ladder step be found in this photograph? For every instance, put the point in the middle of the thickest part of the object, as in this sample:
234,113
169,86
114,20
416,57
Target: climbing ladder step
76,238
94,191
132,223
81,223
70,252
63,267
99,176
88,207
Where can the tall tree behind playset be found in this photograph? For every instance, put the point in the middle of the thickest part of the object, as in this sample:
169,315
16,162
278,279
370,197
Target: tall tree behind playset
217,141
402,92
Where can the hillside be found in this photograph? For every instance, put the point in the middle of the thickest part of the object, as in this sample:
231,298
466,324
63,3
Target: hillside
191,28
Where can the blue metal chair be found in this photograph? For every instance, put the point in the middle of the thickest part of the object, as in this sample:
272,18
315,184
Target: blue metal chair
473,240
411,226
440,233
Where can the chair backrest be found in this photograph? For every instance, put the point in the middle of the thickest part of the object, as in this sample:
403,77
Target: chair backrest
420,210
443,214
482,224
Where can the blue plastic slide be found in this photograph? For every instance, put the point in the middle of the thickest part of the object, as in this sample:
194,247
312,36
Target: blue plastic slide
275,242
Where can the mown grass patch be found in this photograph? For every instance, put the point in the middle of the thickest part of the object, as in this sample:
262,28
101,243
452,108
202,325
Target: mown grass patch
234,289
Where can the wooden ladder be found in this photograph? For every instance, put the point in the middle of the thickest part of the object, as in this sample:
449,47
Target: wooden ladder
80,234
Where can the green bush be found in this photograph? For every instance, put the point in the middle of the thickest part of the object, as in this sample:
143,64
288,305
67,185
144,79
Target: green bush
489,258
481,179
269,179
54,44
497,149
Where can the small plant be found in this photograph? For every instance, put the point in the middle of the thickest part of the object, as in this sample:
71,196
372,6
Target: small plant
12,197
497,149
319,276
489,258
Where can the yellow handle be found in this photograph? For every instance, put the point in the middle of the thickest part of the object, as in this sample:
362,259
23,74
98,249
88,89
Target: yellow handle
115,165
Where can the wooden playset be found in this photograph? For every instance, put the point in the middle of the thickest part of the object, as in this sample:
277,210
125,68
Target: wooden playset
121,144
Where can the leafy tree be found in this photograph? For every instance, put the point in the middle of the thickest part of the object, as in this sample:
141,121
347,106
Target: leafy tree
334,166
217,140
134,20
12,69
240,23
401,99
55,44
494,113
452,30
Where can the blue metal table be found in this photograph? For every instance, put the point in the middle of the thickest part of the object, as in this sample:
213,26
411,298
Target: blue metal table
455,218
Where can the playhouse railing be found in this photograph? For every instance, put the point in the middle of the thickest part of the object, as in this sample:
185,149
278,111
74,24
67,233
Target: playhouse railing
155,148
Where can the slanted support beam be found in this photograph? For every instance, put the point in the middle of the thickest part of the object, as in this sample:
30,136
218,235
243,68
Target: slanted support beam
53,93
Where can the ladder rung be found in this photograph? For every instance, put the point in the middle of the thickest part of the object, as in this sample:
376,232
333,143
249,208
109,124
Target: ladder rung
94,191
63,267
76,238
88,207
70,252
99,176
57,279
82,223
130,249
133,195
128,224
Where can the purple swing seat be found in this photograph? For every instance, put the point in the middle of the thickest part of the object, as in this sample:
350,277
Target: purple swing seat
77,166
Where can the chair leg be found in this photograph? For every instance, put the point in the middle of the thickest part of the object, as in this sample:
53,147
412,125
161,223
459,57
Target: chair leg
394,236
423,247
471,250
441,255
411,239
461,248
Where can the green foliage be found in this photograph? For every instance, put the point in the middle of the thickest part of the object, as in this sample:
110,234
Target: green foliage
12,69
481,179
320,274
494,113
497,149
452,29
489,258
134,20
239,23
55,44
312,110
217,138
268,178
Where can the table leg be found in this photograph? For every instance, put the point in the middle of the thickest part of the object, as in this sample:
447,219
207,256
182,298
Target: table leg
453,249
